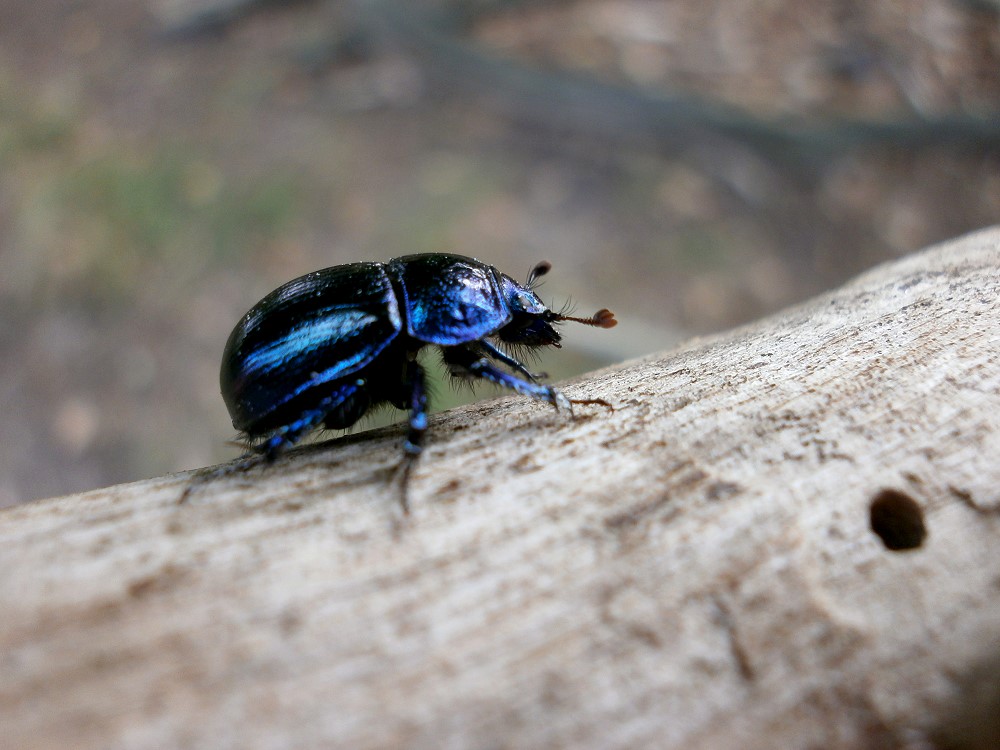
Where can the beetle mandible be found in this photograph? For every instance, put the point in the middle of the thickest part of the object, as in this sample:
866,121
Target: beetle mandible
325,348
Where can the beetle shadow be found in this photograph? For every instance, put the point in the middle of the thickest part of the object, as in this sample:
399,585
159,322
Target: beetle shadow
247,465
398,474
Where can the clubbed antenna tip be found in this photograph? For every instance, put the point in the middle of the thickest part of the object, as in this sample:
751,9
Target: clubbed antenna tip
603,318
537,272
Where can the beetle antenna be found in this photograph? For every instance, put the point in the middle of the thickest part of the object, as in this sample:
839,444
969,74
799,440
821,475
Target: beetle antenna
541,268
603,318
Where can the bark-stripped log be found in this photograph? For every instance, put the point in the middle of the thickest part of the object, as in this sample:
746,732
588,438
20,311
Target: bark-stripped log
697,568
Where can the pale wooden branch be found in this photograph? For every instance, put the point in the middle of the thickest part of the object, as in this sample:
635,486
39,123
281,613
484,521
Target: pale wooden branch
696,568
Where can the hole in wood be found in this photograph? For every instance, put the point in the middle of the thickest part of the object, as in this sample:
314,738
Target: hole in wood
898,520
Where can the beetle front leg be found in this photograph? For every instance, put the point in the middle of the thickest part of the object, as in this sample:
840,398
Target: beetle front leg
508,360
464,361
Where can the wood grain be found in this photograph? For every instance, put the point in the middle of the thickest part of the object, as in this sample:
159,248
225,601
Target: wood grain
696,568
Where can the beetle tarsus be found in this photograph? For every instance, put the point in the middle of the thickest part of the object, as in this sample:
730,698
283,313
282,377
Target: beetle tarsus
558,400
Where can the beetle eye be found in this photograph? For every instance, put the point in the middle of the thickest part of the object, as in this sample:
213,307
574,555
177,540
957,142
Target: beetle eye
520,299
526,301
523,301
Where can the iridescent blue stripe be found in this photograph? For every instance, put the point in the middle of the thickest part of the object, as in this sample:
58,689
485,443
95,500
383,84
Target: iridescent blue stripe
305,339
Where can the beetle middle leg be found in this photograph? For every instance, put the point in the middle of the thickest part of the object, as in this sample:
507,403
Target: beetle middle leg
414,397
465,361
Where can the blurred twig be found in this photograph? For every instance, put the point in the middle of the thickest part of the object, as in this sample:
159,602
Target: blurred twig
435,34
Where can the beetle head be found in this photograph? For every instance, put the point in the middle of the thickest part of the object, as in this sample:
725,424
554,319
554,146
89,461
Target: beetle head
532,322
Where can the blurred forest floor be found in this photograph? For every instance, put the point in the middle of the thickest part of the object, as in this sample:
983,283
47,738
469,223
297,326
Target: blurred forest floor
691,165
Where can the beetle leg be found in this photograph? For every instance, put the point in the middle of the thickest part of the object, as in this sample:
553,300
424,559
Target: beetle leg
508,360
465,361
288,435
350,409
284,437
416,395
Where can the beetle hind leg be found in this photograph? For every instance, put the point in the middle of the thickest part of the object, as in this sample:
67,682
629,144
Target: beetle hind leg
266,451
288,435
340,409
349,410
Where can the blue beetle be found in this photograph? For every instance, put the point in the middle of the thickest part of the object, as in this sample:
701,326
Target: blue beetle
325,348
